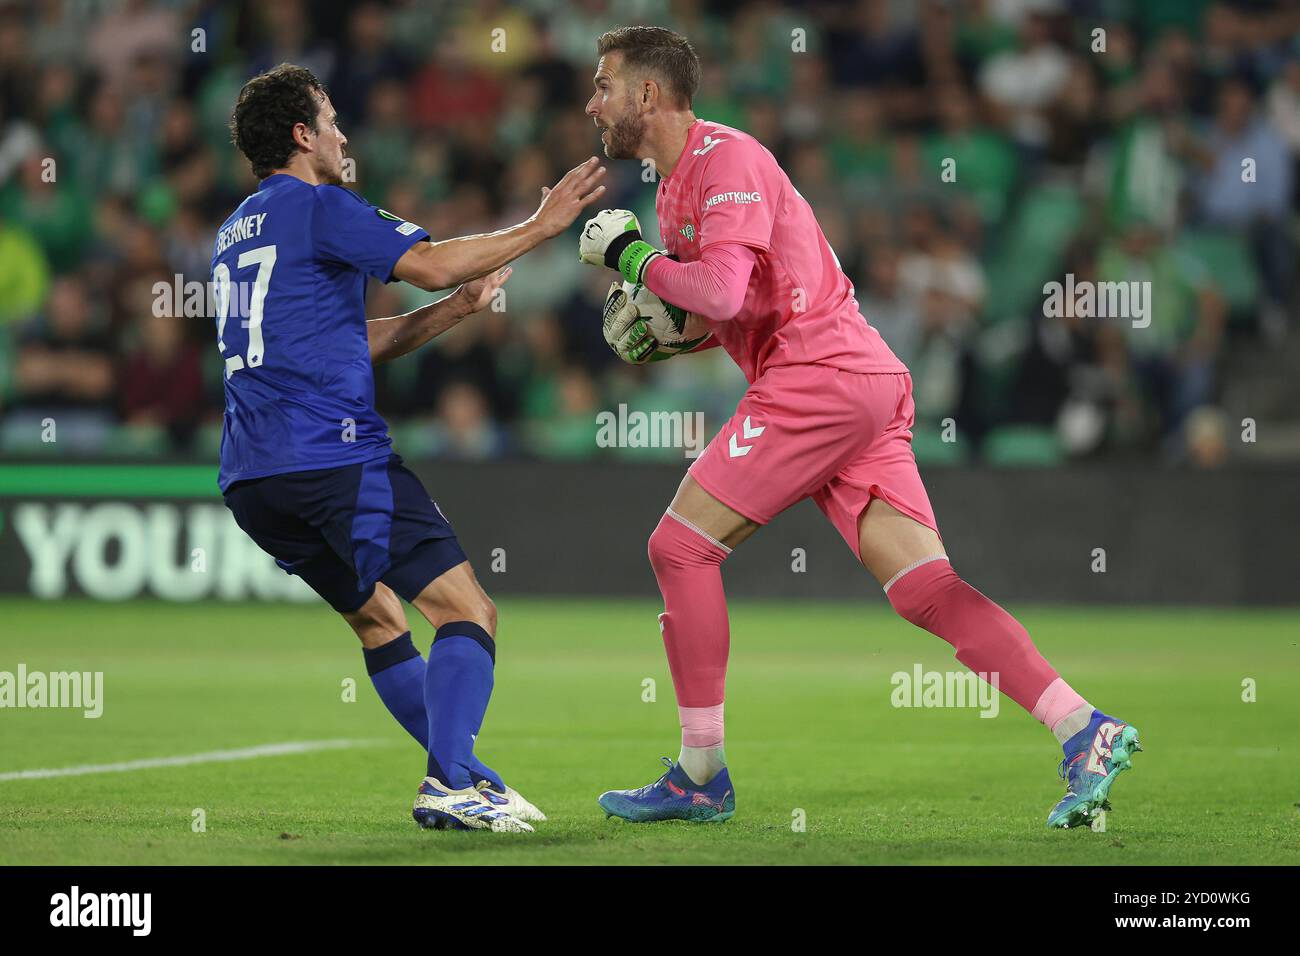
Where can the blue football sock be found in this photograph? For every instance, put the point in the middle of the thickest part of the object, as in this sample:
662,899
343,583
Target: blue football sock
457,687
397,670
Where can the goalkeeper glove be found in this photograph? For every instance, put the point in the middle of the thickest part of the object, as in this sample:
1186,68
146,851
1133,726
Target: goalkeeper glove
613,238
625,331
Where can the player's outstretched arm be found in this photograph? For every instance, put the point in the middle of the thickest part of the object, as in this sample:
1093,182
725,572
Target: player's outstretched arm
395,336
441,265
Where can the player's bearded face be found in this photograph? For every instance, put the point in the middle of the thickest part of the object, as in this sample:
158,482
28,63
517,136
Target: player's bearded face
333,173
331,146
625,133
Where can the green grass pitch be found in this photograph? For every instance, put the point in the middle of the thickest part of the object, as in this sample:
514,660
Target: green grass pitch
809,722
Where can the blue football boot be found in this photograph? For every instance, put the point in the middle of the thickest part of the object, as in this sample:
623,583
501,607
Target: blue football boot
674,796
1094,757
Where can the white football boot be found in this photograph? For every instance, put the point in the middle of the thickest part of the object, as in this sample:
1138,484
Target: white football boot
438,807
512,802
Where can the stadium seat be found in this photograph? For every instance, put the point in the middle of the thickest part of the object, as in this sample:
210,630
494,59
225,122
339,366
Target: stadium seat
1047,217
1228,258
207,441
1021,446
74,432
563,437
416,440
137,441
930,448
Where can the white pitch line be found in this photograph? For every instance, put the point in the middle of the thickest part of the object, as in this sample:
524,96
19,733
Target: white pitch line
211,756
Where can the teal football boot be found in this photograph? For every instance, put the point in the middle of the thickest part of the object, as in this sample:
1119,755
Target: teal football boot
1094,757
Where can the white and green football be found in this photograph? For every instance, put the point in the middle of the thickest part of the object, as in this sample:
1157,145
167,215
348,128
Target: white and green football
674,328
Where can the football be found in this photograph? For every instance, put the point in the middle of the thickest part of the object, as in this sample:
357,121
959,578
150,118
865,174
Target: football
674,328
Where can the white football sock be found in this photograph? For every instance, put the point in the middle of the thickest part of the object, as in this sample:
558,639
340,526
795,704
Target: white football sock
702,764
1072,723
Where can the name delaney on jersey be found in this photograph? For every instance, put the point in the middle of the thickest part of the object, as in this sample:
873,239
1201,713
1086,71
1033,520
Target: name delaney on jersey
246,227
194,299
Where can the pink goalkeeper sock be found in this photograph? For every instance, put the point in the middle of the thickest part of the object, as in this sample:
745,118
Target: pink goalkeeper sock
701,726
688,566
988,640
1058,702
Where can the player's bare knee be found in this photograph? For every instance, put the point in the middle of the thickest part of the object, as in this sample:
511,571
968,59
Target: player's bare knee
372,631
488,616
483,613
379,620
468,603
471,603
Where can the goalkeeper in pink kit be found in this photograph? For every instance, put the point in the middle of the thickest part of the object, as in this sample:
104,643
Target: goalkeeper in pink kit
827,416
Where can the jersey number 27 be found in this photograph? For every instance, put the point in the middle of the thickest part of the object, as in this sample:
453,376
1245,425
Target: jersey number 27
264,259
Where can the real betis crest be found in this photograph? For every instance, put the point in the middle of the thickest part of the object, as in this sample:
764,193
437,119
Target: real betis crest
688,231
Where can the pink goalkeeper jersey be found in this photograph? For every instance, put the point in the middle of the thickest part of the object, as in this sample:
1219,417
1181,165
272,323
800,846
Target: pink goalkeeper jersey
799,308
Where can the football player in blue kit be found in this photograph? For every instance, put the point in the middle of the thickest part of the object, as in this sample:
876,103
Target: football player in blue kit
307,466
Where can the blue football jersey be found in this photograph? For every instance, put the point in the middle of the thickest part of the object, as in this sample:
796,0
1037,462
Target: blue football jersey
289,274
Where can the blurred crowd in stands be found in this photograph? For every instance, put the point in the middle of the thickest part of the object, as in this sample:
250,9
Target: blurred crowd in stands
1106,140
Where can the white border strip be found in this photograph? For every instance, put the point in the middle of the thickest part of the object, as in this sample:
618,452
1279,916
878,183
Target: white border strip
211,756
912,567
698,530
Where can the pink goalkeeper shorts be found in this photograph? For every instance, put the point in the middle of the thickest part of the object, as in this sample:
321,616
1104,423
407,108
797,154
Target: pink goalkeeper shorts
800,431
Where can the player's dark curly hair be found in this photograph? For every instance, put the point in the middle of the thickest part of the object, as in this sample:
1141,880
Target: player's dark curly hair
668,55
269,106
